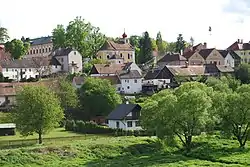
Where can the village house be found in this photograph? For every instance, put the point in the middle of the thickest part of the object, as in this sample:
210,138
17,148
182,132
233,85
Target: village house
70,59
29,68
125,116
7,97
117,52
170,76
40,47
241,49
126,78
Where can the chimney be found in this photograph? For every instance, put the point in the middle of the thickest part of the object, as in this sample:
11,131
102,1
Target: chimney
205,45
241,41
238,40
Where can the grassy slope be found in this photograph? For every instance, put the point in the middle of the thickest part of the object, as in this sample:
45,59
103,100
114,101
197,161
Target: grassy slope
126,151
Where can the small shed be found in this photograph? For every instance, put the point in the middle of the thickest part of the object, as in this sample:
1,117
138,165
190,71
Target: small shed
7,129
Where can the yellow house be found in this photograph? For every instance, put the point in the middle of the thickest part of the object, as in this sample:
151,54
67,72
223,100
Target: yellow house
242,50
117,52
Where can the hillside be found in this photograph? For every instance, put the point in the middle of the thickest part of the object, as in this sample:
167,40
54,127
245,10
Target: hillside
126,151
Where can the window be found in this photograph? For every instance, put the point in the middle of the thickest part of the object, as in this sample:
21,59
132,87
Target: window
56,66
107,56
36,50
245,60
219,62
12,70
46,49
128,87
129,124
40,50
16,76
74,53
135,80
43,50
30,70
31,52
121,55
119,89
128,56
6,69
49,49
13,76
137,123
117,125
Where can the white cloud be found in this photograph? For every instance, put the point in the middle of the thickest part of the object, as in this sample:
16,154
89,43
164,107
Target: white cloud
189,17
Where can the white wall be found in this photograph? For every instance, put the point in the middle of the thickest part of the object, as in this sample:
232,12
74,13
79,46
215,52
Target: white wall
158,82
76,57
64,62
15,73
134,66
129,86
229,61
123,124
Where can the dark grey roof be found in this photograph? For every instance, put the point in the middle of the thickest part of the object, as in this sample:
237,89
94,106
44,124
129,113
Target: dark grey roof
54,61
234,55
153,73
41,40
121,111
223,53
22,63
205,52
129,74
172,57
62,51
127,65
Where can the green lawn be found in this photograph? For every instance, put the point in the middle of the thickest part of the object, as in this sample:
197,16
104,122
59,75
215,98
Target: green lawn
100,151
57,133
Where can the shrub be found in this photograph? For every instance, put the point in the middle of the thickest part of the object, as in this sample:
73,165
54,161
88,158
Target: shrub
70,125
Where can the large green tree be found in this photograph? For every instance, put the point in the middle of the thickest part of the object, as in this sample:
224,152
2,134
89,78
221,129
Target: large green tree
98,97
80,35
59,37
243,73
160,44
17,48
145,49
180,44
171,47
134,40
3,35
182,113
67,95
37,111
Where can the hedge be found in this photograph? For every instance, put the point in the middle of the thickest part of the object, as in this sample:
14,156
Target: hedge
93,128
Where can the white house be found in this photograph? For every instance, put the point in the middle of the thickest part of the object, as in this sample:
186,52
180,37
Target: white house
131,82
29,68
228,58
70,60
125,116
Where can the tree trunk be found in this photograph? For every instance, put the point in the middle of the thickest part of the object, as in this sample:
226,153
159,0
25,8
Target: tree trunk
188,143
40,140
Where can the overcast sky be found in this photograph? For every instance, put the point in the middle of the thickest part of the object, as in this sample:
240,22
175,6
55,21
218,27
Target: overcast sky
229,19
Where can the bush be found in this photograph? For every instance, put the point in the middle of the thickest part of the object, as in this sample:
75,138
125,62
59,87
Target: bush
70,125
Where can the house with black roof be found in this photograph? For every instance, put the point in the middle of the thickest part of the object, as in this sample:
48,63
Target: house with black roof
125,116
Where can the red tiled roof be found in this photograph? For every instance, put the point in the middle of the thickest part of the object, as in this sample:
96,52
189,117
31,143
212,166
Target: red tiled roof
108,68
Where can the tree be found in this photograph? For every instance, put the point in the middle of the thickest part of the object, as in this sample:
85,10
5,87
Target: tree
80,35
95,41
180,44
160,44
88,66
171,47
3,35
183,113
67,95
243,73
37,111
17,48
145,49
134,40
59,37
98,97
234,112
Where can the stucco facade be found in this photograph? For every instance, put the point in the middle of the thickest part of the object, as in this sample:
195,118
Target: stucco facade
126,56
131,86
196,59
124,124
215,58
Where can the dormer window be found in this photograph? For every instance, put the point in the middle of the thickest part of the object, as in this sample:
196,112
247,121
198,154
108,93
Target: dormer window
121,55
